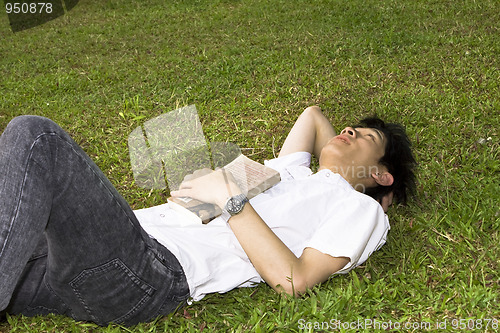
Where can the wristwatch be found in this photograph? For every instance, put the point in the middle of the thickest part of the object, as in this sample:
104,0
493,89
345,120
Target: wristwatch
234,205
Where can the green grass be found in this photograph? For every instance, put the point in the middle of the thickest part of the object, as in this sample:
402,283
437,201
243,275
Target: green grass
251,67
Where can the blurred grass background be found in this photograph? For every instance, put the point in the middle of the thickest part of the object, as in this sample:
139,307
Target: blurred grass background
251,67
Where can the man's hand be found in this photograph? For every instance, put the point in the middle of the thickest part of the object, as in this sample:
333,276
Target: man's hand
386,201
212,187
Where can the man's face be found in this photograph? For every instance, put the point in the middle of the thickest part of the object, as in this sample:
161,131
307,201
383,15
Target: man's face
355,154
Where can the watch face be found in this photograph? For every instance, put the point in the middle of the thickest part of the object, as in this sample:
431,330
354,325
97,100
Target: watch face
233,205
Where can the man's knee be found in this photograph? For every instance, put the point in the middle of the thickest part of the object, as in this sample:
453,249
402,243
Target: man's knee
29,127
23,132
29,122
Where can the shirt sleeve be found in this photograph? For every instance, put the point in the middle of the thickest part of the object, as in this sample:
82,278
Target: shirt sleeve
355,229
283,164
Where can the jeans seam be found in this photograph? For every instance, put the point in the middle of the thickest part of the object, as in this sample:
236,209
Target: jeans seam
173,288
37,257
16,211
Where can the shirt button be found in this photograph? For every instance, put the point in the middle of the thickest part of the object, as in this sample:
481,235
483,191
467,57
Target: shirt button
328,174
162,215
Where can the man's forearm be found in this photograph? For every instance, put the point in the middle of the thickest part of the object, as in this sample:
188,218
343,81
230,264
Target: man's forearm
269,255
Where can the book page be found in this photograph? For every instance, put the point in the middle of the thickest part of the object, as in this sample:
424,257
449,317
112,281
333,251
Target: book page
252,177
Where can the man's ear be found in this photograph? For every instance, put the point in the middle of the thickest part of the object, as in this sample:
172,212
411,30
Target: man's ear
383,178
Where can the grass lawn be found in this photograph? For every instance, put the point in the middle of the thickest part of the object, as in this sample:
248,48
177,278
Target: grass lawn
251,67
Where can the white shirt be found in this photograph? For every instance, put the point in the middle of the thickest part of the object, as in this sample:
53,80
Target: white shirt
319,210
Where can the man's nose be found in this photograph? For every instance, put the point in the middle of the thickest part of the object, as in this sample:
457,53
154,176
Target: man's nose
349,131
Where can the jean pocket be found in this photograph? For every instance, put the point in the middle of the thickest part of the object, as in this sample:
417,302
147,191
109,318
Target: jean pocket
111,292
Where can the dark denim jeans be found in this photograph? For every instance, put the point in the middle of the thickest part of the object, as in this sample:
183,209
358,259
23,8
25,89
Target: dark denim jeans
69,243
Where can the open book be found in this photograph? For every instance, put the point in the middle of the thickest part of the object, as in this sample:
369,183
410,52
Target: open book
252,177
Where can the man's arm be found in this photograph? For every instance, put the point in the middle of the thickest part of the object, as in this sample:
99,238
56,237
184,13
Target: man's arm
274,261
310,133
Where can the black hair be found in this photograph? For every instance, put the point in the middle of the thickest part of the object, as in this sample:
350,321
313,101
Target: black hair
398,159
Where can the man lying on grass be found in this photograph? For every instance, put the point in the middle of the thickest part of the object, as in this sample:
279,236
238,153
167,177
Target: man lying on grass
71,245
